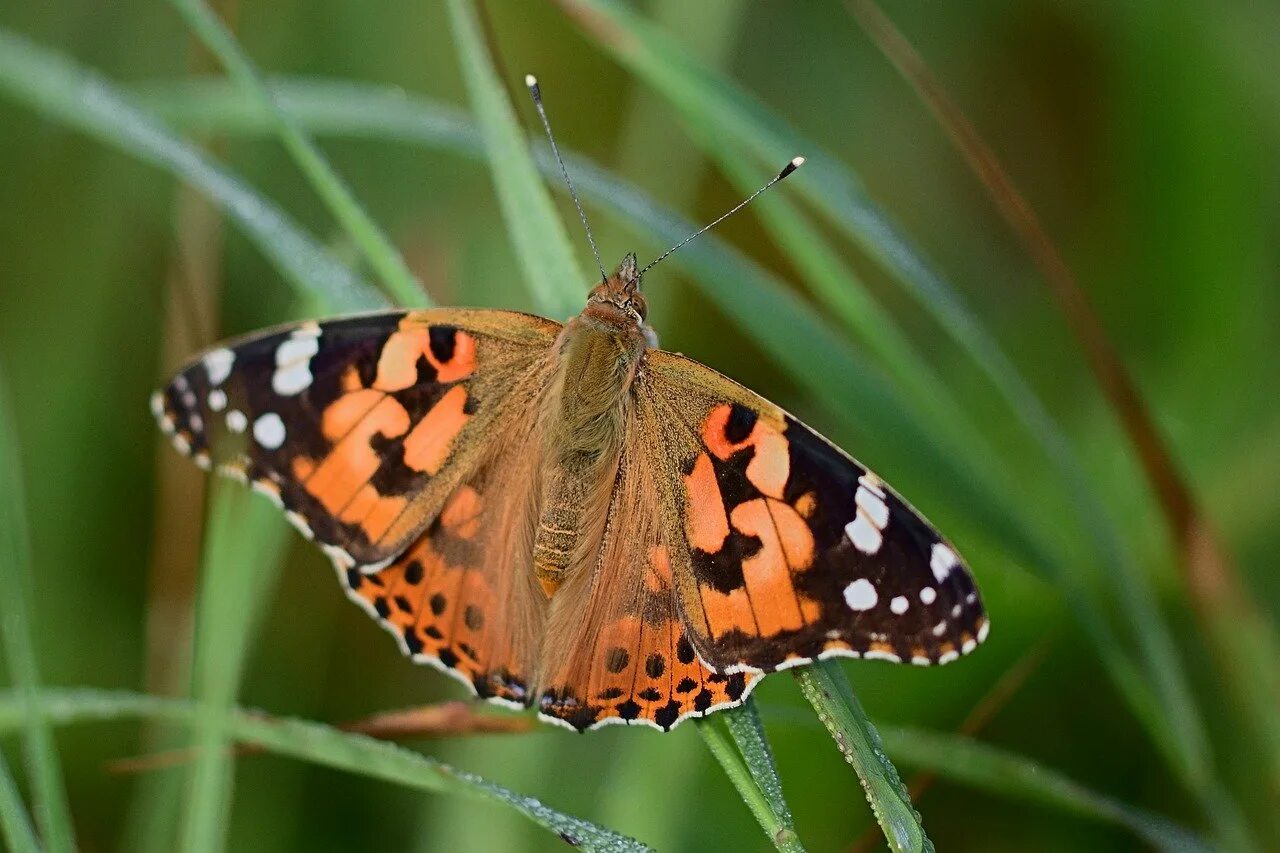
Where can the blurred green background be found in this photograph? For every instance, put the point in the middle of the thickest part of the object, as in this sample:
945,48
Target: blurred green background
1144,134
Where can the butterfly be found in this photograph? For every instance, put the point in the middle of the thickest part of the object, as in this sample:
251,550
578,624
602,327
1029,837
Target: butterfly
567,517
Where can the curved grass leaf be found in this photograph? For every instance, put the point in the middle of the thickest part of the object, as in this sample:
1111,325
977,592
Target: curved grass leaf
316,743
740,120
381,254
825,686
65,92
744,726
17,631
977,765
15,825
753,776
554,280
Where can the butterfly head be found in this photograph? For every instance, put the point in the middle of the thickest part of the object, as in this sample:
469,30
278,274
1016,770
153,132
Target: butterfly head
619,296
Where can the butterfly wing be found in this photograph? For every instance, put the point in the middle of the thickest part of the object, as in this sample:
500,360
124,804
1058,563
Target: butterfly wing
789,549
362,427
740,542
406,444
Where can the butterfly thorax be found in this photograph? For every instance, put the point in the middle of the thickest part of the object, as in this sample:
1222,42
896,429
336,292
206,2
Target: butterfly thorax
584,421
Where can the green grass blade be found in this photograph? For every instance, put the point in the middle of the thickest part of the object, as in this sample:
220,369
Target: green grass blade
316,743
740,120
15,825
744,726
244,546
775,822
546,257
65,92
399,283
977,765
18,632
825,686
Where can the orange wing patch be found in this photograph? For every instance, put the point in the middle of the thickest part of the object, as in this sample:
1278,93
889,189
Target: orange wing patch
641,667
446,613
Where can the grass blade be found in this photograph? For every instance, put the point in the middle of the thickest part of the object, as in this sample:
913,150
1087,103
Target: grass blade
968,762
19,835
17,629
65,92
744,726
557,285
244,546
378,250
316,743
767,807
825,686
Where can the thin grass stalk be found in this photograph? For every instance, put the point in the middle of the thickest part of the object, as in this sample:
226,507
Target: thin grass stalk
720,743
15,824
382,256
825,686
17,628
74,96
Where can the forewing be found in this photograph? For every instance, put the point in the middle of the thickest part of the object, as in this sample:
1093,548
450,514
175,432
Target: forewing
361,427
783,549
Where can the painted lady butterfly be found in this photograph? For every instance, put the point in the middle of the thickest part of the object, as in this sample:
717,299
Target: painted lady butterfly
562,516
566,516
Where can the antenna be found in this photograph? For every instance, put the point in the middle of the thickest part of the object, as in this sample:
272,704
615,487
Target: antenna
796,163
536,93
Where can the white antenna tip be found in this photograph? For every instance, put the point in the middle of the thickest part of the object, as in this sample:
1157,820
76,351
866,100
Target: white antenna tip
797,162
530,80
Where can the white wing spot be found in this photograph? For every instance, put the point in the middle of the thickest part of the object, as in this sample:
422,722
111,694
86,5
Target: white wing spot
942,561
236,421
872,517
968,646
860,595
983,631
293,361
299,522
196,423
899,604
217,400
928,595
873,505
955,612
218,365
864,536
876,654
268,431
872,482
940,628
948,657
157,404
270,489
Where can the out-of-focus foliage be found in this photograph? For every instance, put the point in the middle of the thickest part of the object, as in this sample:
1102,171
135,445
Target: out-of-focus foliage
1143,134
